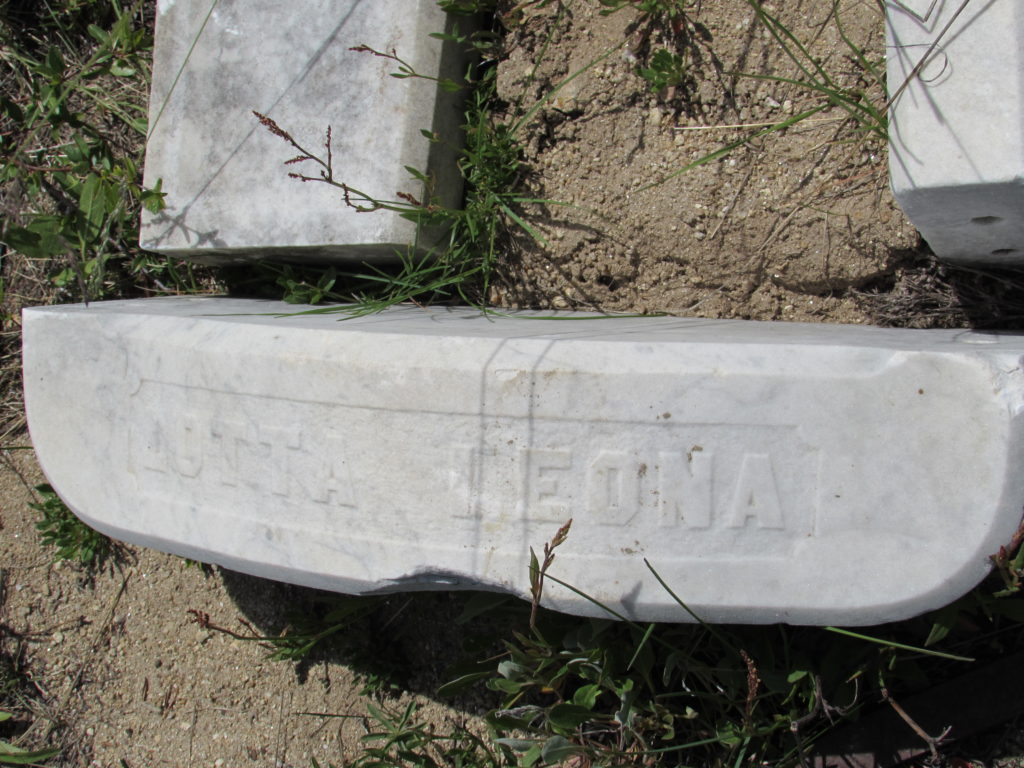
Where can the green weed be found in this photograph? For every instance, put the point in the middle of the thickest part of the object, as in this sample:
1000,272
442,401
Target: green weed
650,10
491,164
461,268
616,693
403,739
613,692
866,107
71,132
13,755
73,539
665,70
16,706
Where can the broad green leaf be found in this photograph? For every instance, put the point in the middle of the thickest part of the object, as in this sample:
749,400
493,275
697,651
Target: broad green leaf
511,670
517,745
153,199
943,621
416,174
556,749
98,34
462,682
10,110
53,65
796,676
42,239
534,569
568,716
586,695
91,201
505,686
22,757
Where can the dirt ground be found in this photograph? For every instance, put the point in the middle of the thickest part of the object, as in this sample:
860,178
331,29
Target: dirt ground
118,673
798,225
787,227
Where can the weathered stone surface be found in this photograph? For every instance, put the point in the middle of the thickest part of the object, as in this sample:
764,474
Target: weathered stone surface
957,129
768,472
229,197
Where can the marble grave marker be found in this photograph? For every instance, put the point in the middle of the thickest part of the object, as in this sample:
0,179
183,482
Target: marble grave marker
956,128
768,471
229,197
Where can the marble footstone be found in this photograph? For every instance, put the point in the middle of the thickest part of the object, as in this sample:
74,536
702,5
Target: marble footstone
776,472
228,194
956,128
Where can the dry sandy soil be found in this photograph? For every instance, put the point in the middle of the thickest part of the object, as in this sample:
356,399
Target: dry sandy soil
117,672
787,227
798,225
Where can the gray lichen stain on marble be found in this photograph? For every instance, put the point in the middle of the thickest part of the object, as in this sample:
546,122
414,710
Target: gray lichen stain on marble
226,185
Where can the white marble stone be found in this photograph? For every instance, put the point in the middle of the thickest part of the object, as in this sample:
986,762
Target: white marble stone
229,197
768,472
956,130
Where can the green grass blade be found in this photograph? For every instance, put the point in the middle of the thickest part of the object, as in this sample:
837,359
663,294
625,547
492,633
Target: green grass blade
858,54
774,26
640,646
709,627
723,151
522,223
550,94
901,646
861,111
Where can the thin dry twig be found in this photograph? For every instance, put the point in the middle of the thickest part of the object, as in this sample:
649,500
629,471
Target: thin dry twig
933,742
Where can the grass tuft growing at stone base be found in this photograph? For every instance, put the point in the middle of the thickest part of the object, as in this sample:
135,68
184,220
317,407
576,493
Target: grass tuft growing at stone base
460,270
70,537
616,693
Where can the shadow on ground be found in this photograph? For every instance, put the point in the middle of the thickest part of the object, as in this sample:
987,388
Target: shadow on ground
923,292
406,641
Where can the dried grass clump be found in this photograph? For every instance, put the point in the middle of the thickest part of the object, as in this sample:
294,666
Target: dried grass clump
930,294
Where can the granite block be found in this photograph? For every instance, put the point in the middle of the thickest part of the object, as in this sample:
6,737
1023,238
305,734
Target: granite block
769,472
228,194
956,128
